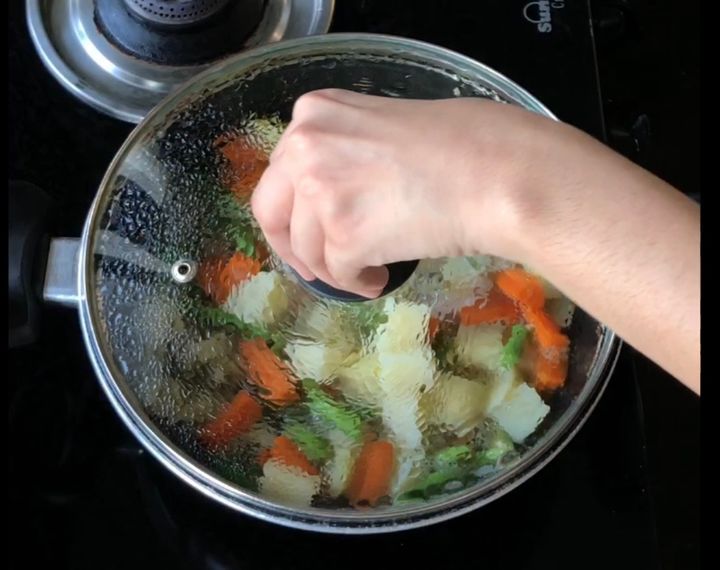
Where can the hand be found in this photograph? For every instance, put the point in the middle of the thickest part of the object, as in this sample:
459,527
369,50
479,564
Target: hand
357,182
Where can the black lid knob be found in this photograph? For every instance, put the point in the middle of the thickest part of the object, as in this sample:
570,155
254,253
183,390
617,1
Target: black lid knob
398,273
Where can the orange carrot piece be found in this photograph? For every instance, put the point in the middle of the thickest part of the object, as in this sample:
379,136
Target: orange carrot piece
246,164
433,328
234,420
218,277
239,268
209,278
268,371
546,331
286,452
521,287
373,469
550,371
496,308
263,456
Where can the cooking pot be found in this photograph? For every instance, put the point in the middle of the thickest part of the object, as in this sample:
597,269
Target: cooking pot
133,275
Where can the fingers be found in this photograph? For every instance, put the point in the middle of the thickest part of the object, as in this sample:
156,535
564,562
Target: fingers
307,240
272,206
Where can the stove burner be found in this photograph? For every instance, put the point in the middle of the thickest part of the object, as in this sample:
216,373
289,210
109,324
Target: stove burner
158,32
124,57
175,13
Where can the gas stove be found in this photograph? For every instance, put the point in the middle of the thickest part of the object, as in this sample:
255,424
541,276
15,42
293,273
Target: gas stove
83,494
123,56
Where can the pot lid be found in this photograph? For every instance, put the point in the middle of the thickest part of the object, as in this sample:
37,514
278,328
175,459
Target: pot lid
243,379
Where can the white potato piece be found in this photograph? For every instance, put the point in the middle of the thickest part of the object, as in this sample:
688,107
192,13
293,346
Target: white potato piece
337,470
288,485
360,381
261,300
456,403
317,360
406,326
479,346
520,413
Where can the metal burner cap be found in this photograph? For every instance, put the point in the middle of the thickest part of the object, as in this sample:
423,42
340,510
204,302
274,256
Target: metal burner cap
175,13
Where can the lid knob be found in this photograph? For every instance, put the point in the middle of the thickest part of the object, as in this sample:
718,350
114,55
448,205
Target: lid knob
398,273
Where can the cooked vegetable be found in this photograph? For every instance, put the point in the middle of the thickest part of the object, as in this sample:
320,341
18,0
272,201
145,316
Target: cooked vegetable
372,472
495,449
520,412
546,332
260,300
235,419
456,403
334,413
366,317
512,351
433,328
288,485
480,347
550,371
218,277
491,309
268,372
287,453
246,163
315,447
319,361
214,317
404,326
359,382
238,227
522,287
338,469
415,394
457,464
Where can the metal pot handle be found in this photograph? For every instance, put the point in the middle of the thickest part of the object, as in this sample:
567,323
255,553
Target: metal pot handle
35,270
61,272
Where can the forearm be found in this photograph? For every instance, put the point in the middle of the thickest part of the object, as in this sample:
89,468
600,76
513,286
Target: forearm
621,243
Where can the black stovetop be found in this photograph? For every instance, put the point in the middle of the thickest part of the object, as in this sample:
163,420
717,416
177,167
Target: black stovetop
84,495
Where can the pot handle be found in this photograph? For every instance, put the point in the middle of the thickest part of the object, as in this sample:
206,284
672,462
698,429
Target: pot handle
28,242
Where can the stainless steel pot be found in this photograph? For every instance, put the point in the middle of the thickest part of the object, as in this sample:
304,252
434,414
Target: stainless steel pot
144,226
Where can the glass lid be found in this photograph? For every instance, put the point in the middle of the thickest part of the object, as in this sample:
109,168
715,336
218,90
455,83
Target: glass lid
276,393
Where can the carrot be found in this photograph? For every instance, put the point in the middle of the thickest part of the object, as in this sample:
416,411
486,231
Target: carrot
218,277
550,371
521,287
373,469
234,420
433,328
264,456
286,452
547,333
208,278
496,308
246,164
239,268
267,371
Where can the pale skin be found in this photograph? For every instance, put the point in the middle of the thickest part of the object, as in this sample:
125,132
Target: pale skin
357,182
